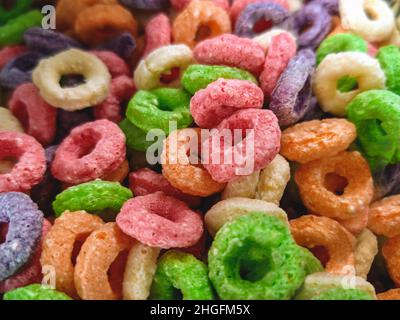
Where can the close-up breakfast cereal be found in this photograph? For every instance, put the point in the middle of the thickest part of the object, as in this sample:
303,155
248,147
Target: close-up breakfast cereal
200,150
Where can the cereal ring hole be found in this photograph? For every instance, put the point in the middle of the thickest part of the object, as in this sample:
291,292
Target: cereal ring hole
79,241
335,183
7,164
321,253
347,84
3,232
262,25
254,262
303,96
86,143
71,80
375,127
8,4
203,32
168,78
116,272
370,12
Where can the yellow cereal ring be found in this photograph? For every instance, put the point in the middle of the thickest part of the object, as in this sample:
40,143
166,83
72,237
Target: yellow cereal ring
364,252
334,67
9,122
48,73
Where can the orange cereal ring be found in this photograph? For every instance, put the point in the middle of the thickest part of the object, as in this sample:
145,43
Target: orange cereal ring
312,231
357,223
180,172
313,140
198,21
99,23
100,250
119,174
60,243
393,294
384,217
391,254
342,204
337,27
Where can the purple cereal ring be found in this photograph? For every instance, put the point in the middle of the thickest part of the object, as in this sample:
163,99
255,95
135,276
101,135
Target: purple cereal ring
146,4
67,120
123,45
332,6
25,222
255,12
223,98
48,41
19,70
291,98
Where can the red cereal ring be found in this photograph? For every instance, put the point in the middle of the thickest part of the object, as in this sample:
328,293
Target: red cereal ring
313,232
231,50
179,5
261,133
36,115
391,254
199,250
9,53
30,166
384,217
158,220
239,5
32,271
158,33
345,203
100,264
91,151
146,181
115,64
283,47
122,88
223,98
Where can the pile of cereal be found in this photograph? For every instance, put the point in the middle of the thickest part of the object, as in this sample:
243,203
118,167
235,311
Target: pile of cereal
200,150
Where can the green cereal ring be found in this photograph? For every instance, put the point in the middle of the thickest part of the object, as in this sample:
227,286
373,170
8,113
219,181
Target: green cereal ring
19,7
376,114
199,76
94,197
341,42
344,294
156,108
389,59
35,292
255,257
179,272
135,137
13,32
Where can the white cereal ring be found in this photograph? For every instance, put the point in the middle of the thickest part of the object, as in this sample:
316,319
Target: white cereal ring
334,67
160,61
264,39
48,73
139,272
364,252
9,122
371,19
227,210
245,187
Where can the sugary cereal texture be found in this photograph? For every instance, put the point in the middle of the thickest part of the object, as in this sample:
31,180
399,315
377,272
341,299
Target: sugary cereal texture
35,292
364,253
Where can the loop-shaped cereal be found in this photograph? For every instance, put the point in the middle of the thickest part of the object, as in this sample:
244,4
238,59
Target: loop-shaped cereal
228,210
35,292
24,231
48,73
58,246
265,38
185,28
179,5
9,122
115,64
391,254
160,221
355,16
365,252
178,169
384,217
145,4
312,231
231,50
343,294
123,45
334,67
311,178
30,167
141,266
94,197
97,254
148,74
17,8
91,151
158,33
183,272
136,139
9,53
388,58
222,98
376,115
238,6
393,294
316,139
263,263
291,98
157,108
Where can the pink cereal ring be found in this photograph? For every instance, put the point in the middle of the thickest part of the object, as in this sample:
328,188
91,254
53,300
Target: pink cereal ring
31,161
260,134
122,89
239,5
158,33
160,221
8,53
32,272
372,50
35,114
223,98
91,151
115,64
146,181
179,5
231,50
282,48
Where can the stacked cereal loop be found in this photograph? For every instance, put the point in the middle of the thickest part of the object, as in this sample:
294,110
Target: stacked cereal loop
200,150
